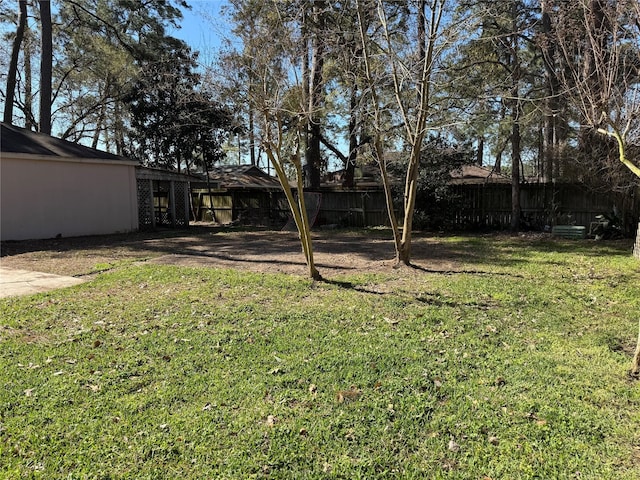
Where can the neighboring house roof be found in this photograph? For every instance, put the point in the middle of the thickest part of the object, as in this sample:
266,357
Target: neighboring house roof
369,175
20,141
474,174
242,177
154,173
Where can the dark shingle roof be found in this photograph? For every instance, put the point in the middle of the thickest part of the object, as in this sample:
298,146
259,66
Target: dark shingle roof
243,176
475,174
19,140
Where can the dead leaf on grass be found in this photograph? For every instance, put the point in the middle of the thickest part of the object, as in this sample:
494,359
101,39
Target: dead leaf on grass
343,396
453,446
271,420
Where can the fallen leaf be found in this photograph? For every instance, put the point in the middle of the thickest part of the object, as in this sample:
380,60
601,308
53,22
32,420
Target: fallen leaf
29,392
493,440
271,420
348,395
453,446
313,389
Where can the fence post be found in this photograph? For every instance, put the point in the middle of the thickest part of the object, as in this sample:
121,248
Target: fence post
636,248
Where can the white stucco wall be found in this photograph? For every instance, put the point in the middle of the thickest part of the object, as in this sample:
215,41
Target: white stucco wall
42,197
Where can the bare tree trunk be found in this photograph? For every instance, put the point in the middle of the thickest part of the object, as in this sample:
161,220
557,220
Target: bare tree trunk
13,64
635,365
316,94
252,139
298,208
550,137
480,152
515,173
46,67
118,128
350,167
30,121
101,116
515,119
414,117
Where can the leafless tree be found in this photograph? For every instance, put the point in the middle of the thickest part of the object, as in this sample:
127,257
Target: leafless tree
13,65
46,67
411,75
278,98
599,45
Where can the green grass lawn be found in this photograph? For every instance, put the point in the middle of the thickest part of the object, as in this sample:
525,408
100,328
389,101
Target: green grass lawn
516,368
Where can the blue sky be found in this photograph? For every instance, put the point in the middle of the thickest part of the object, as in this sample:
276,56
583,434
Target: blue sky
204,28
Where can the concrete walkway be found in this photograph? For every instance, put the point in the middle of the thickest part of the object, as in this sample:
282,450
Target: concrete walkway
24,282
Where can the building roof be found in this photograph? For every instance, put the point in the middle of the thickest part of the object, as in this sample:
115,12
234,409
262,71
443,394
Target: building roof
243,176
473,174
154,173
21,141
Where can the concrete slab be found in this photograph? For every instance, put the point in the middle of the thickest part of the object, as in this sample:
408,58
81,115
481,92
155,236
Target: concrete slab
15,282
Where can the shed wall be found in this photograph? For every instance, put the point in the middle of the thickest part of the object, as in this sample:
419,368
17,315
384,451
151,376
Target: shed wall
44,198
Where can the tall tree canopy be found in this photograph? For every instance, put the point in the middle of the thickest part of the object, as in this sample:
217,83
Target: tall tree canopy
97,60
375,76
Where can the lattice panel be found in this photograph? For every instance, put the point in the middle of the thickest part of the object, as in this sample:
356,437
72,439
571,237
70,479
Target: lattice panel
182,213
161,203
145,198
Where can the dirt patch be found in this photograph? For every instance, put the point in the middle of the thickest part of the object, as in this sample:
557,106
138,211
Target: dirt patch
336,252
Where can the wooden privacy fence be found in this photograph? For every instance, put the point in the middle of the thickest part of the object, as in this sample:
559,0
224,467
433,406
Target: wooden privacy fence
480,206
489,205
353,208
344,208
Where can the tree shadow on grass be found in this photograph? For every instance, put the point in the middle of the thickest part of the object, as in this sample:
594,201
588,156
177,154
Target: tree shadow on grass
436,254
